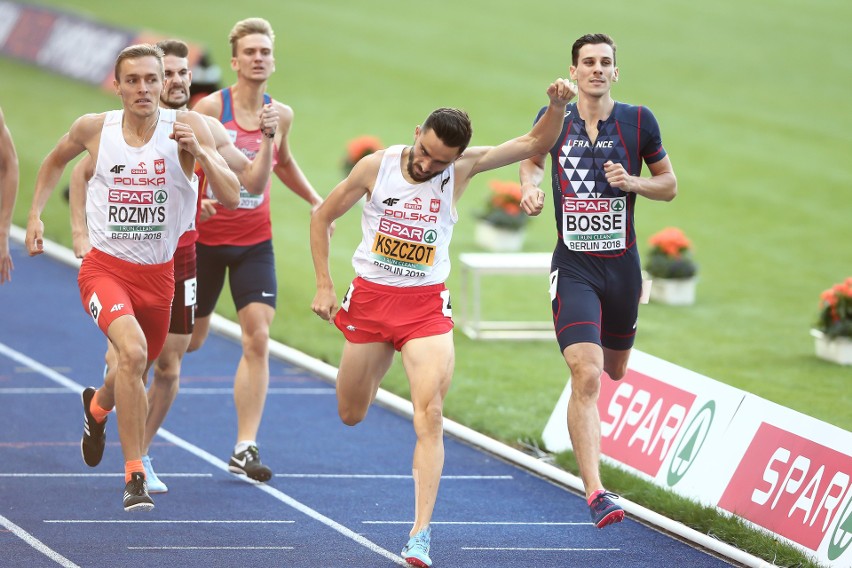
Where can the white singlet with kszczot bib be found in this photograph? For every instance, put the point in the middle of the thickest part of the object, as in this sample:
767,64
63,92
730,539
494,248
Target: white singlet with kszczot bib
139,201
406,227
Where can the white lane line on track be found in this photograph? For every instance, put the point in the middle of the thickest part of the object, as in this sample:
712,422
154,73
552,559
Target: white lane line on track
166,521
387,476
210,548
525,523
215,462
36,543
323,391
541,549
100,475
14,390
183,390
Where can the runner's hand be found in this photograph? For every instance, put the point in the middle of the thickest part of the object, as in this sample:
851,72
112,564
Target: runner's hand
618,177
532,199
185,138
35,236
208,209
325,304
269,120
561,92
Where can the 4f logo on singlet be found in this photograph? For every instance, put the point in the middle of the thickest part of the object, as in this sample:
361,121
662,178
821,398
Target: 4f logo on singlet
117,169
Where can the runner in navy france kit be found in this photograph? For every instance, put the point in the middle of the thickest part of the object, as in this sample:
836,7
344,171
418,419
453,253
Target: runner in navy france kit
595,219
586,222
596,277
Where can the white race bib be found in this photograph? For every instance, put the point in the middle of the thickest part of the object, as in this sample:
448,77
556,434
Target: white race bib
591,225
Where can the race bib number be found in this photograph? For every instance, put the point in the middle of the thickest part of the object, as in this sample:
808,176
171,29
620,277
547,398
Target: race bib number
591,225
190,288
250,200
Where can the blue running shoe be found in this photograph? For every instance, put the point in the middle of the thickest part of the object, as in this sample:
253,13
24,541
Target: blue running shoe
416,552
154,483
604,512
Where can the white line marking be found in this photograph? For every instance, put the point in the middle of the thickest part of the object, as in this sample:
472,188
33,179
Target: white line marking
121,475
209,548
215,462
183,390
163,522
519,549
38,367
36,543
48,390
282,390
544,524
385,476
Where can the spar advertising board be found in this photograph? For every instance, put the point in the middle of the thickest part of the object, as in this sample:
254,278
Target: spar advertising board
777,469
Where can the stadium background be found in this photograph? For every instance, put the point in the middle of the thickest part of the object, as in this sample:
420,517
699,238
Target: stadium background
750,98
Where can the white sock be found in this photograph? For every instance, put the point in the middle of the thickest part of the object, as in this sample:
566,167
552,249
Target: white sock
244,445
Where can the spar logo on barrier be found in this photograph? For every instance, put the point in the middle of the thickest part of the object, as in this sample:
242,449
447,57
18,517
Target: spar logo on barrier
640,419
794,487
690,443
841,538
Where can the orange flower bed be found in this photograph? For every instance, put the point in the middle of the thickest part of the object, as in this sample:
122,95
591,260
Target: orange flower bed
835,305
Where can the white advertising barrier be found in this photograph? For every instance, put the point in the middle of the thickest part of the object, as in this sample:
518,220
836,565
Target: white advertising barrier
780,470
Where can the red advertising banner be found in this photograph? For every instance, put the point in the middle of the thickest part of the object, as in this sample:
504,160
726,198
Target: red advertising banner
790,485
640,419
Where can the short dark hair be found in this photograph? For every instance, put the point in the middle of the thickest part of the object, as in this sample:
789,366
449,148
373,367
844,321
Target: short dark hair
451,125
174,47
590,39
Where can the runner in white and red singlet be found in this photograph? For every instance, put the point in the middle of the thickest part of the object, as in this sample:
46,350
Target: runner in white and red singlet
398,300
253,174
140,201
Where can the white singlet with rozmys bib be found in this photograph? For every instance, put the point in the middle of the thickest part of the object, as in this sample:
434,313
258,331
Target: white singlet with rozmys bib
139,201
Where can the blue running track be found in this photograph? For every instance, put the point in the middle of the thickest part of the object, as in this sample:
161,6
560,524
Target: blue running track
340,496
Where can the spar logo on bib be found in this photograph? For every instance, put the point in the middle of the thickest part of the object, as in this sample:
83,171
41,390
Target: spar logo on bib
640,419
794,487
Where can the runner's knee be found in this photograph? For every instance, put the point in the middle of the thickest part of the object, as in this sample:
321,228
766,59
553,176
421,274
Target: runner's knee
616,371
350,415
429,421
585,380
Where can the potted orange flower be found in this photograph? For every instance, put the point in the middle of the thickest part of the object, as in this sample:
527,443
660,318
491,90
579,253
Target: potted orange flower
501,224
833,331
358,148
670,264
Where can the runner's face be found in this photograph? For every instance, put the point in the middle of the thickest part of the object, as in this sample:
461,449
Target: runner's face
140,85
429,156
595,71
254,59
178,79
